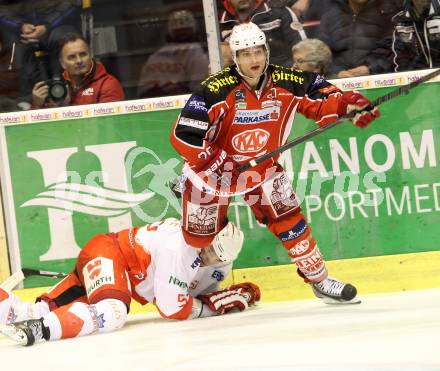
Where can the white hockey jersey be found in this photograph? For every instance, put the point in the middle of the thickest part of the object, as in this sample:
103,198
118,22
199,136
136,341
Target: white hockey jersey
174,275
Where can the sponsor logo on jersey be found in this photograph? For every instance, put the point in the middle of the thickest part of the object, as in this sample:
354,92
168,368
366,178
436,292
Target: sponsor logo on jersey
280,75
196,104
175,281
194,285
196,262
296,231
218,275
240,105
300,248
97,273
87,92
256,116
270,103
202,220
282,197
240,95
214,85
319,80
240,99
250,140
312,263
202,125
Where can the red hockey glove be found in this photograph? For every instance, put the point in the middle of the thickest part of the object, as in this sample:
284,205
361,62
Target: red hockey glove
351,101
219,166
224,301
249,289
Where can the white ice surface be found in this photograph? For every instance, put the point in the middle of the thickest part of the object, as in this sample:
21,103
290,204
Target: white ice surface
393,331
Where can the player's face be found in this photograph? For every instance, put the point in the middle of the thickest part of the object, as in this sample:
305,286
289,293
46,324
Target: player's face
208,256
75,58
252,61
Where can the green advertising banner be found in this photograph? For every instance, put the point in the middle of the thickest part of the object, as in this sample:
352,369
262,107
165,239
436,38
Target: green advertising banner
366,192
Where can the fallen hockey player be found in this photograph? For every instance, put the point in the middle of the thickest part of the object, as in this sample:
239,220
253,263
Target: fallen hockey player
151,264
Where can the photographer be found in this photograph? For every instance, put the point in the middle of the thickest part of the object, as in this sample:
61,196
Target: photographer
84,80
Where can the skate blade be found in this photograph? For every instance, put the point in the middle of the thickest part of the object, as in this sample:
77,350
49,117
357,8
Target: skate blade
332,301
14,334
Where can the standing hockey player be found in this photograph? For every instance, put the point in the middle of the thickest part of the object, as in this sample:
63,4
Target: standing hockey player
238,114
152,264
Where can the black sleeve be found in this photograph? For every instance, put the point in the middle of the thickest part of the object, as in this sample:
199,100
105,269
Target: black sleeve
60,13
11,17
290,35
193,122
318,87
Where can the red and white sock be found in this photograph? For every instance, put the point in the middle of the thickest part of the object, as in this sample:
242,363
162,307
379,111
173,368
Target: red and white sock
79,319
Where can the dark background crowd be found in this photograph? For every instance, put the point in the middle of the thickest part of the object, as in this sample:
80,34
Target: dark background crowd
67,52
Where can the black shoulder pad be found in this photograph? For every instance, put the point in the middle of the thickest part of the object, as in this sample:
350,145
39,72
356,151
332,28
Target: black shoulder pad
300,82
217,86
295,81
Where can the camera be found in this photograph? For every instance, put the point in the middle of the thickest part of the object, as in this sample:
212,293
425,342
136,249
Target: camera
58,88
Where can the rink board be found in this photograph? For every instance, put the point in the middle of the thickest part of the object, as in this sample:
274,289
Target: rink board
68,174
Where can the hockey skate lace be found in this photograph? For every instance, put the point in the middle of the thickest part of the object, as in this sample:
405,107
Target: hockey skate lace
331,287
37,330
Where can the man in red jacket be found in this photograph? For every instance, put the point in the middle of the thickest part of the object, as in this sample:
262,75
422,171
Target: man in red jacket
86,80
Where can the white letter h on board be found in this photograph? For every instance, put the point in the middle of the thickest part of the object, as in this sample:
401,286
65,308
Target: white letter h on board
54,167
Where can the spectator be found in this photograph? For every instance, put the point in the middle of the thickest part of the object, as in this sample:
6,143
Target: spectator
310,13
178,66
352,29
312,55
280,24
9,87
36,28
87,79
415,43
226,54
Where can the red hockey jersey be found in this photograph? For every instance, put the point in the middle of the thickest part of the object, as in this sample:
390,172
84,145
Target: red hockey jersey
247,123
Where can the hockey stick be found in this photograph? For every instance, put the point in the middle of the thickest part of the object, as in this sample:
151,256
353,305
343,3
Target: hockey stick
12,281
385,98
15,279
36,272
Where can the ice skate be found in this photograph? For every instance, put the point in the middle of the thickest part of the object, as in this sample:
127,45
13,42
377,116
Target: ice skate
25,333
333,291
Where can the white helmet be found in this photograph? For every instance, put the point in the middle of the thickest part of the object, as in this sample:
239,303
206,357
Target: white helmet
228,242
247,35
